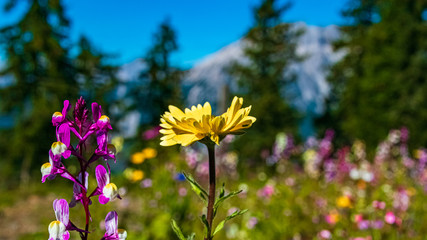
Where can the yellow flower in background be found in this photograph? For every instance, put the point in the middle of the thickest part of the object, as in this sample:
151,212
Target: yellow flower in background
198,123
344,201
136,176
149,152
133,175
146,153
137,158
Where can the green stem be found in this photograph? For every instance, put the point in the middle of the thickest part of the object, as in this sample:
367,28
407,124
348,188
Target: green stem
212,183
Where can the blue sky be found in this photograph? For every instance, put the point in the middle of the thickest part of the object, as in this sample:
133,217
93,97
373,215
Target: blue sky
125,27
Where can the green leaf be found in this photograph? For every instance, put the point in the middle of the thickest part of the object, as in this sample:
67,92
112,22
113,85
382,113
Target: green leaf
191,237
177,230
222,191
205,222
222,198
196,187
222,223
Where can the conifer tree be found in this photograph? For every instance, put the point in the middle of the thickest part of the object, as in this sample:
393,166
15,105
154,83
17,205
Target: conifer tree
160,82
381,83
96,78
270,48
43,75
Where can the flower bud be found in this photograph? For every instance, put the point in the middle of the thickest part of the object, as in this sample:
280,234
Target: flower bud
111,149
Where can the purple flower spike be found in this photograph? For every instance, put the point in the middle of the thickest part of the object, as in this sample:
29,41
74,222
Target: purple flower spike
59,117
81,114
107,191
111,228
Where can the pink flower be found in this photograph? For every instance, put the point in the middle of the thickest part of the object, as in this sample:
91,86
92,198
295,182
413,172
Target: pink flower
358,218
266,192
151,133
325,234
378,204
252,222
390,218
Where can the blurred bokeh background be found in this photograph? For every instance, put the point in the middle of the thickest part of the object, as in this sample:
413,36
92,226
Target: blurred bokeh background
338,88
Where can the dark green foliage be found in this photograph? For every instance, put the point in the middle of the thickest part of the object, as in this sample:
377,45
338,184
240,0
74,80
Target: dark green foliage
96,78
381,83
43,76
270,48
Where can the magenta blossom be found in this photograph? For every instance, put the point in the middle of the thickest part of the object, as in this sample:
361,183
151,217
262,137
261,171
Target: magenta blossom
266,192
107,191
50,169
112,232
151,133
60,117
101,121
390,218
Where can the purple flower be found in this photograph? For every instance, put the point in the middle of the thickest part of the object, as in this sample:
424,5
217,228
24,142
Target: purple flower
111,228
151,133
377,224
58,229
146,183
50,169
107,191
61,146
101,121
59,117
102,140
363,225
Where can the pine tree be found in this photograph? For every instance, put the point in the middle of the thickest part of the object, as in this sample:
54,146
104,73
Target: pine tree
380,84
43,75
270,48
160,82
97,79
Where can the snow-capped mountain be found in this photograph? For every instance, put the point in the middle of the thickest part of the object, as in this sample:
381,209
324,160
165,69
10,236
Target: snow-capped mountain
207,79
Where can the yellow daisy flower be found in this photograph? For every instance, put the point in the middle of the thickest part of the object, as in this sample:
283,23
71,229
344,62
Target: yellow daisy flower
198,123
